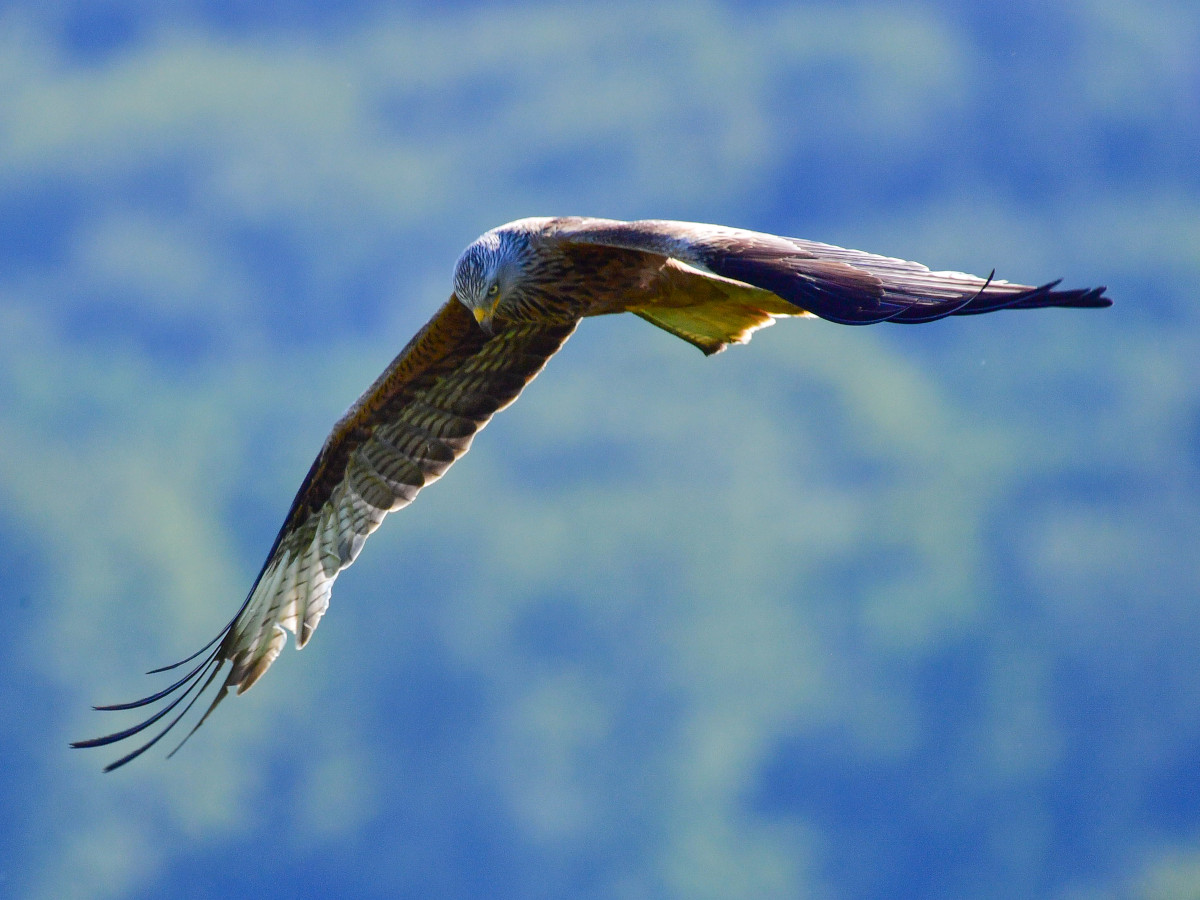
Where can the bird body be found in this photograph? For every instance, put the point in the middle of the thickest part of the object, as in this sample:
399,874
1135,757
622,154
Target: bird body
519,292
532,271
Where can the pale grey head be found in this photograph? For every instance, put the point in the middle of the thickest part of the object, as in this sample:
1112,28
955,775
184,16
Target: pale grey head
488,271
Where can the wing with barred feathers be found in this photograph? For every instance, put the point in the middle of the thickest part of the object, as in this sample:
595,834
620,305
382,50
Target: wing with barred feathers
401,435
850,287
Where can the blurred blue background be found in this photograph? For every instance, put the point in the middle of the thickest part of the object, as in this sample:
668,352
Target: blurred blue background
845,613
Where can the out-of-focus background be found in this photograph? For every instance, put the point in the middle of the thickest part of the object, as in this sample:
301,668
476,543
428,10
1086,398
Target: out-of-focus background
845,613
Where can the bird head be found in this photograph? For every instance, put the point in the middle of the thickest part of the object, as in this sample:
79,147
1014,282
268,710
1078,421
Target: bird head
485,274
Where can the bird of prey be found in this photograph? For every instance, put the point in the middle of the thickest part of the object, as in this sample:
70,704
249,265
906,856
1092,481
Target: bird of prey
519,291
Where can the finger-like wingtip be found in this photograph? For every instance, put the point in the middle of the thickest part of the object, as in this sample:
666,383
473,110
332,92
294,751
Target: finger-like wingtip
194,684
189,688
1097,298
134,754
1001,296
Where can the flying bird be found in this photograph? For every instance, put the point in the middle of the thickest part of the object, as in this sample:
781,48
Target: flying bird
519,292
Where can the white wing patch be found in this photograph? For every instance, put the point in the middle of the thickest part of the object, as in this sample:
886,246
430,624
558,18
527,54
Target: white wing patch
294,591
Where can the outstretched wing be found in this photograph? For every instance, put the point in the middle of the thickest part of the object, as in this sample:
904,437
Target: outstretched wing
402,434
845,286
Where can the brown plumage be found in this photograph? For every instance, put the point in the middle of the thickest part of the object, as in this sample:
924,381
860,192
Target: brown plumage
519,292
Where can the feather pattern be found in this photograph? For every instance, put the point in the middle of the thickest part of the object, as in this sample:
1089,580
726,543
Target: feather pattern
402,434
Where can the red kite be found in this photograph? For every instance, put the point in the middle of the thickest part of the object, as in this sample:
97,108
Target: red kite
519,292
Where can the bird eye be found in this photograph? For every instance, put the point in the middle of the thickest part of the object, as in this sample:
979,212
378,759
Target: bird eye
493,290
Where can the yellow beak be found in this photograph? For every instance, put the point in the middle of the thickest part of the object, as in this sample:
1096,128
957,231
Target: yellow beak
484,316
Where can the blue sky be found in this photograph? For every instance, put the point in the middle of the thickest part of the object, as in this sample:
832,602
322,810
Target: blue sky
844,613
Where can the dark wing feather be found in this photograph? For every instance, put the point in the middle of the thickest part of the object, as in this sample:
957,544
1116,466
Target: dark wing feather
850,287
402,434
